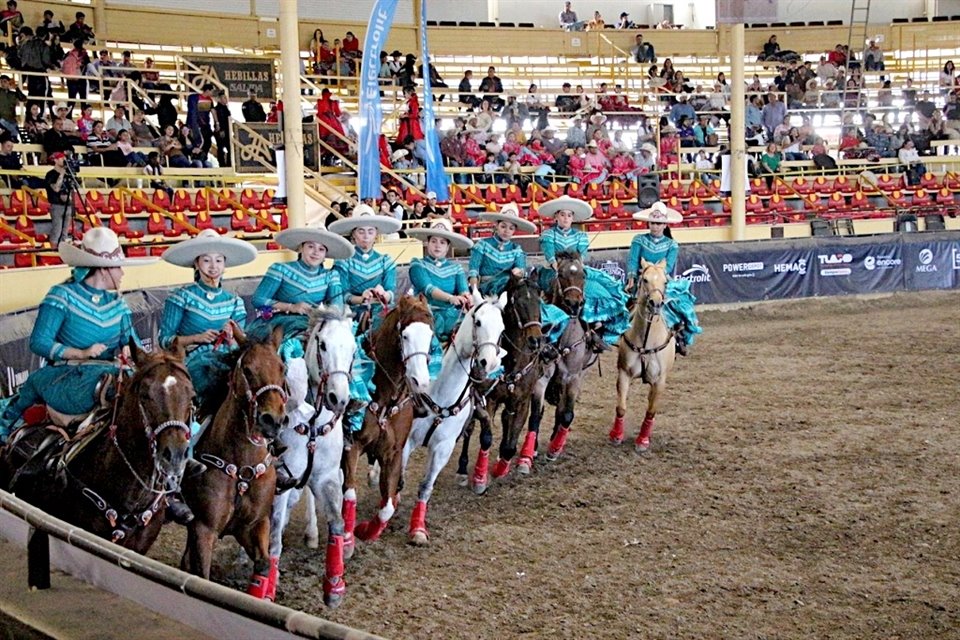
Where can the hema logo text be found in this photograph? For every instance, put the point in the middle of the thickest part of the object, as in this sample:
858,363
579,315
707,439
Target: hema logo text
696,273
799,267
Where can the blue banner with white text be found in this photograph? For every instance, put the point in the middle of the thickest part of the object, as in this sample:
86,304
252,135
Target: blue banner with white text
371,118
437,179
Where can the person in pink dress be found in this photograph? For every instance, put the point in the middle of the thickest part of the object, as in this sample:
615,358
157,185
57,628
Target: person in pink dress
410,118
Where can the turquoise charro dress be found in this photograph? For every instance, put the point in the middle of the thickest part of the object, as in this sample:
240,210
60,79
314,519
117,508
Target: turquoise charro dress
196,308
362,271
491,260
679,309
604,298
428,275
72,315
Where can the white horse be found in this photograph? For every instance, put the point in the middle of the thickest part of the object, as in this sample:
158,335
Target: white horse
314,445
473,354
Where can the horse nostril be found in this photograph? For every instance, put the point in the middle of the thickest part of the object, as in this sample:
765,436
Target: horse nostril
167,454
483,363
332,399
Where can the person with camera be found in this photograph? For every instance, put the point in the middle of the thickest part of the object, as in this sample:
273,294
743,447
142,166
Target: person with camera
60,182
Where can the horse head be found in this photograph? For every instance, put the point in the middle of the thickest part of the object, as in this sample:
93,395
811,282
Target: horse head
415,326
523,296
258,377
330,351
479,334
652,288
570,281
164,395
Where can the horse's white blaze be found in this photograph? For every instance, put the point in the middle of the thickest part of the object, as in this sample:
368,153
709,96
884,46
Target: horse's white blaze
487,335
574,268
337,355
416,339
169,383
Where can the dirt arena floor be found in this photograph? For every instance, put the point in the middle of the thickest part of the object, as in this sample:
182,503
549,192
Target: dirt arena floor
804,482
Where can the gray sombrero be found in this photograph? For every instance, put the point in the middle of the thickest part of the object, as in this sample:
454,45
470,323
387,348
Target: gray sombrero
364,216
100,248
581,210
442,228
659,212
234,251
509,213
338,248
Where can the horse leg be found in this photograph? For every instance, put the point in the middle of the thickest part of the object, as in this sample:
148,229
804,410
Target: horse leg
439,454
198,555
371,530
564,418
623,390
349,510
256,541
311,535
464,459
529,449
642,443
329,498
481,475
512,418
373,471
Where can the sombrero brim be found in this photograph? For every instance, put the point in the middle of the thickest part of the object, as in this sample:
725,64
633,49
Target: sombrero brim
338,248
457,241
234,251
523,225
382,224
75,256
581,210
672,215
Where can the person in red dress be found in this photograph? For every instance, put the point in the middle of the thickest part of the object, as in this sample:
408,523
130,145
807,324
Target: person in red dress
410,118
328,114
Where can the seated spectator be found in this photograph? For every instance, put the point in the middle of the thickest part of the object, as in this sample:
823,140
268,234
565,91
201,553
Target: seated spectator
705,168
770,163
85,121
682,109
576,136
873,57
667,71
350,47
596,164
118,122
669,146
773,53
491,84
837,57
53,26
491,170
624,22
154,169
566,101
68,126
514,112
125,145
10,161
103,150
704,133
596,24
773,114
251,108
826,70
170,147
433,210
11,20
143,133
791,147
193,148
79,30
910,158
568,19
647,160
685,131
466,91
939,129
948,80
10,97
150,75
623,166
35,123
537,108
436,82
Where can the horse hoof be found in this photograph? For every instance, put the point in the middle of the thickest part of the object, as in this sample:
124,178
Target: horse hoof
553,456
312,542
480,487
333,600
524,466
419,538
642,446
334,593
349,546
615,441
501,468
463,480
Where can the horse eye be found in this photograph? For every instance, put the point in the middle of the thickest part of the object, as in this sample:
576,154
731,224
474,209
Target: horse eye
323,346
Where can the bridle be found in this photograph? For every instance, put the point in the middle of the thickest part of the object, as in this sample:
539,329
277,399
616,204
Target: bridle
404,393
320,394
561,292
653,308
252,410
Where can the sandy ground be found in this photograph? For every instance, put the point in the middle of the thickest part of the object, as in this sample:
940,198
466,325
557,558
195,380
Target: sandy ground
804,481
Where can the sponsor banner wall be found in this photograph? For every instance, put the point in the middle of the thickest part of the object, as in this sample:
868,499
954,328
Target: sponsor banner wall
251,155
239,76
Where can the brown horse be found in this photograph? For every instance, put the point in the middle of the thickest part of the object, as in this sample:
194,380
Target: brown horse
646,351
235,495
112,480
400,348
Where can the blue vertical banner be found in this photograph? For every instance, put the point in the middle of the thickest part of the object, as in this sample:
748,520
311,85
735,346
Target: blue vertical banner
437,179
371,117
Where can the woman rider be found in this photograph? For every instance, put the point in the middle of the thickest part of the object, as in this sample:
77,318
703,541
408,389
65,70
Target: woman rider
369,279
659,245
203,315
82,326
494,259
442,281
605,303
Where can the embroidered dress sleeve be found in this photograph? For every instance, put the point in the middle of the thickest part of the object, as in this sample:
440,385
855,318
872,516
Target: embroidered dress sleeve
335,293
343,273
548,245
389,277
127,330
170,319
519,258
43,339
239,314
583,244
476,259
267,289
633,258
671,257
420,279
461,286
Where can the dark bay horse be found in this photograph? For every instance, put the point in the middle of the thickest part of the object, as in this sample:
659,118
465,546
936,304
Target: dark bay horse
400,347
561,381
112,480
235,495
523,340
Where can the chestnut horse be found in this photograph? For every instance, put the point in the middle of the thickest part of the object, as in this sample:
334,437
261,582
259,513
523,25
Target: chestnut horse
112,480
561,379
523,341
400,347
645,351
235,495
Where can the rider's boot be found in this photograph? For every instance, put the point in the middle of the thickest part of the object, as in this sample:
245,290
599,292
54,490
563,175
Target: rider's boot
177,510
593,338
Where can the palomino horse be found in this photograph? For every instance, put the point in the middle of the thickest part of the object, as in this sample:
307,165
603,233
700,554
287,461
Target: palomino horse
313,449
473,354
113,480
400,347
646,351
564,376
524,339
234,496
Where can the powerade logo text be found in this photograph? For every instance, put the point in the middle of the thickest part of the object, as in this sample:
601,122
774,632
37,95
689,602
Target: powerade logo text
831,264
696,273
926,262
881,262
743,269
798,267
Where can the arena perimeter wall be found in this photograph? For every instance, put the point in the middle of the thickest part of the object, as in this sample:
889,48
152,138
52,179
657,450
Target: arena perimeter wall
718,272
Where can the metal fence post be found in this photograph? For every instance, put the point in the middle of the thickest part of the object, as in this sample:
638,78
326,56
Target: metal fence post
38,559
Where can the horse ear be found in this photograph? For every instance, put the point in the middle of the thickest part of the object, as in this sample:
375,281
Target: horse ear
239,336
422,298
276,336
475,296
176,350
502,301
662,264
643,264
136,353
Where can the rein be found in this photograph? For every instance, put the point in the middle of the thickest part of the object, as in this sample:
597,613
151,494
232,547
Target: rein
403,396
653,312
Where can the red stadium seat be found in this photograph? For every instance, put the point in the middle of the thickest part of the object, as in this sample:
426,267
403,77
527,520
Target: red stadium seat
700,190
554,191
836,204
575,190
493,194
859,201
96,202
759,187
616,209
922,198
929,182
205,221
412,197
888,183
157,224
896,198
821,185
513,193
945,197
812,203
538,194
621,191
670,188
844,185
754,204
162,199
595,192
598,211
25,225
133,204
951,181
802,186
223,200
240,221
251,199
181,201
121,226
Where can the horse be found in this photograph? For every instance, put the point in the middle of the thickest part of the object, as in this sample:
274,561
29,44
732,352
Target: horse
522,368
473,354
234,496
113,477
645,351
313,449
400,347
563,377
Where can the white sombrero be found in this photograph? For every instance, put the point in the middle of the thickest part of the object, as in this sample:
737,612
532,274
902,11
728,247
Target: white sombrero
234,251
659,212
363,216
442,228
338,248
581,210
100,248
509,213
649,148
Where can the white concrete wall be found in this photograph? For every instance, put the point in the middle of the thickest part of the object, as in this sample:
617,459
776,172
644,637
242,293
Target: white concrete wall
881,12
544,13
340,10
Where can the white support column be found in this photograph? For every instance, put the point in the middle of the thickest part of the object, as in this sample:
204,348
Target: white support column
292,127
738,215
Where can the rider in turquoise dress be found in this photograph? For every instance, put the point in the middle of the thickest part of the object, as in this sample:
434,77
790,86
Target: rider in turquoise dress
82,326
605,302
203,315
369,282
659,245
442,281
494,259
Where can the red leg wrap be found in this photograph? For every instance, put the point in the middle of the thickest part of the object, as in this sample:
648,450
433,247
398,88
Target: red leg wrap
529,446
616,433
349,512
259,586
501,468
480,469
272,578
643,438
559,442
418,519
334,587
370,530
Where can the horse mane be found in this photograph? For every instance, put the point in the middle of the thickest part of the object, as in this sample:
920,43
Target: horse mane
219,386
566,254
327,313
